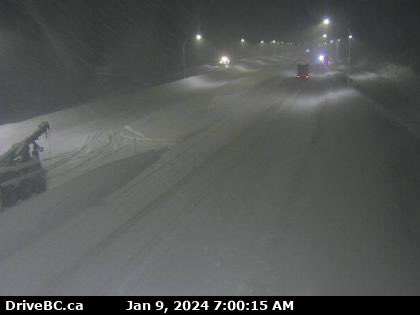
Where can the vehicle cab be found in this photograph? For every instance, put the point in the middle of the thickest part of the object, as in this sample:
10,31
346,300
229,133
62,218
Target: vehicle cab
303,71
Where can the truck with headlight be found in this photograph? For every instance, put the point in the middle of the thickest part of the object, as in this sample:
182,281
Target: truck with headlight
303,71
224,62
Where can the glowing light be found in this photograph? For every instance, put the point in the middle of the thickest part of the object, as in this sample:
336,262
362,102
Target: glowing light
308,50
350,36
224,60
198,37
326,21
243,41
325,36
262,42
321,58
273,42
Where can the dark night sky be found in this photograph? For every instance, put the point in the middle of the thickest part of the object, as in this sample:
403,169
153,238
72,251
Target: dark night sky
50,49
102,22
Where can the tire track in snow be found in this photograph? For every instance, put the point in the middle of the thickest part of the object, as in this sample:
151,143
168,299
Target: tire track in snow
244,135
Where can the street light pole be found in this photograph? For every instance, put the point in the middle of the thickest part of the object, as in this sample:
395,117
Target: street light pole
184,62
198,37
349,62
337,49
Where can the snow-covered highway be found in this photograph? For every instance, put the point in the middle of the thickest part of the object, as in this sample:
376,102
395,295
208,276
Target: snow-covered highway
237,182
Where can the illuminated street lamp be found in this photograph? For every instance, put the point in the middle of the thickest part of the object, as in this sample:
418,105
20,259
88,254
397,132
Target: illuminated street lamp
326,21
262,42
243,41
325,36
198,38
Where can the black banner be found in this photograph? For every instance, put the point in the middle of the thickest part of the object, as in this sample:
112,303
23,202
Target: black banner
222,305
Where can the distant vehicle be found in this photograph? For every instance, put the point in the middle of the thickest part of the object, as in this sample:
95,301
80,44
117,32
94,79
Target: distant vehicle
325,60
303,71
21,172
224,62
328,61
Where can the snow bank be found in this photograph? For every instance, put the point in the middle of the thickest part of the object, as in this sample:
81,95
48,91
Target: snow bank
397,73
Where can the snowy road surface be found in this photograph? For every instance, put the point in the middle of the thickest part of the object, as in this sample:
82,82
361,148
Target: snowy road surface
244,181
